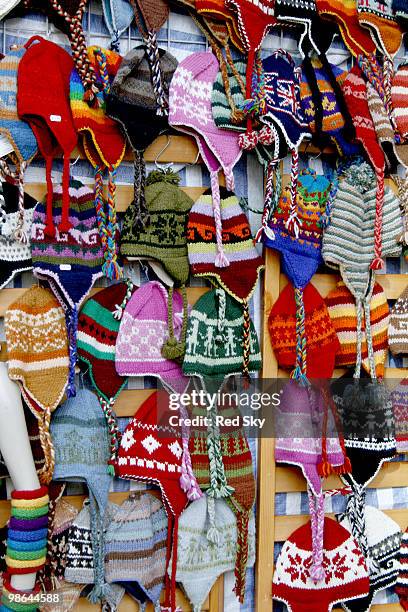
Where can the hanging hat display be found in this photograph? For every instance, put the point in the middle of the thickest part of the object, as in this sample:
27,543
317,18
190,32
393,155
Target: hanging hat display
98,328
346,575
399,398
379,18
399,95
398,327
71,262
118,16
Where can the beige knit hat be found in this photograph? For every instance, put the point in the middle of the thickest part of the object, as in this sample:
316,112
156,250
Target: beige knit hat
398,328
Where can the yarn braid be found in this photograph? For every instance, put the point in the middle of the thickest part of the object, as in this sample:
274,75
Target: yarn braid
221,260
402,185
241,555
114,433
141,216
299,373
72,328
292,224
246,340
378,262
369,338
188,480
355,511
120,308
359,333
17,177
174,349
46,472
316,509
107,223
103,70
273,186
218,480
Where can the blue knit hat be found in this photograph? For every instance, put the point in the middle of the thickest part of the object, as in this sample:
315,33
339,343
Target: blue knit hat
118,15
80,435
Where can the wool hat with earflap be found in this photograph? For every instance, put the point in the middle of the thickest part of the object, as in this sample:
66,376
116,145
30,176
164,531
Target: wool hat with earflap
312,36
98,328
190,112
345,570
401,587
153,324
81,452
135,551
15,256
70,262
198,572
382,540
43,102
399,398
380,19
118,16
104,145
343,314
319,332
398,327
215,14
399,96
17,134
151,452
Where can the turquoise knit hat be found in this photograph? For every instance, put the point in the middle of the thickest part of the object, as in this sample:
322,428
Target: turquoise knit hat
118,15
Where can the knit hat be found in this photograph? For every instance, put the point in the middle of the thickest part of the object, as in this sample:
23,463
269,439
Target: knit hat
81,452
190,112
118,16
379,18
64,516
383,538
401,12
98,327
6,6
135,554
17,133
218,17
346,575
399,95
198,572
397,339
240,277
319,332
104,146
153,453
402,580
43,102
147,326
164,239
399,398
344,13
313,37
228,96
214,343
15,256
342,311
394,154
72,262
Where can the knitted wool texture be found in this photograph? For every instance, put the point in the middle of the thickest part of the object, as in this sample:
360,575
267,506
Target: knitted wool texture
37,346
219,19
225,116
399,398
304,14
399,96
344,13
214,339
64,516
346,574
153,12
401,587
135,554
381,21
401,12
397,331
240,277
198,572
319,332
118,16
164,238
43,102
383,538
343,314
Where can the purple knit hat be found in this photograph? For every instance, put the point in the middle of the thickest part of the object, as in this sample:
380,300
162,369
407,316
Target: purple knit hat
191,112
143,332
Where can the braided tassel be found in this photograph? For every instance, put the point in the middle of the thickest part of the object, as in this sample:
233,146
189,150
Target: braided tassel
103,70
72,327
188,481
269,205
153,57
378,262
111,267
18,179
120,308
299,373
241,559
316,509
221,260
114,433
46,472
141,214
246,341
293,222
218,481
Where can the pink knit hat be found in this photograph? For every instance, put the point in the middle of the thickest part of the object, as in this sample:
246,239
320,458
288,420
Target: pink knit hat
191,112
143,331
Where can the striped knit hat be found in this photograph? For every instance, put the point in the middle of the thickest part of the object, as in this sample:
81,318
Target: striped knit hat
214,343
398,327
379,18
199,572
401,587
190,112
72,262
228,96
104,146
319,333
135,552
399,398
98,327
118,16
399,94
18,133
43,101
15,256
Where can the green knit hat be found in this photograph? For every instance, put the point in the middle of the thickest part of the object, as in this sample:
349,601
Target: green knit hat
164,238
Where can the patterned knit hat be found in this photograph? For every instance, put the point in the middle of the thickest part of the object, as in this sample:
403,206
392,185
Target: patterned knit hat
382,542
399,94
104,146
401,587
118,16
148,325
401,12
217,18
98,327
214,342
319,332
240,277
344,13
313,37
398,328
135,553
190,112
346,575
15,256
164,239
82,450
153,453
379,18
228,96
72,262
342,310
43,101
198,572
399,398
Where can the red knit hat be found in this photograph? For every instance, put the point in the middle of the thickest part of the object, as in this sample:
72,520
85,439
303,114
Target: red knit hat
346,575
319,331
43,101
399,95
355,96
